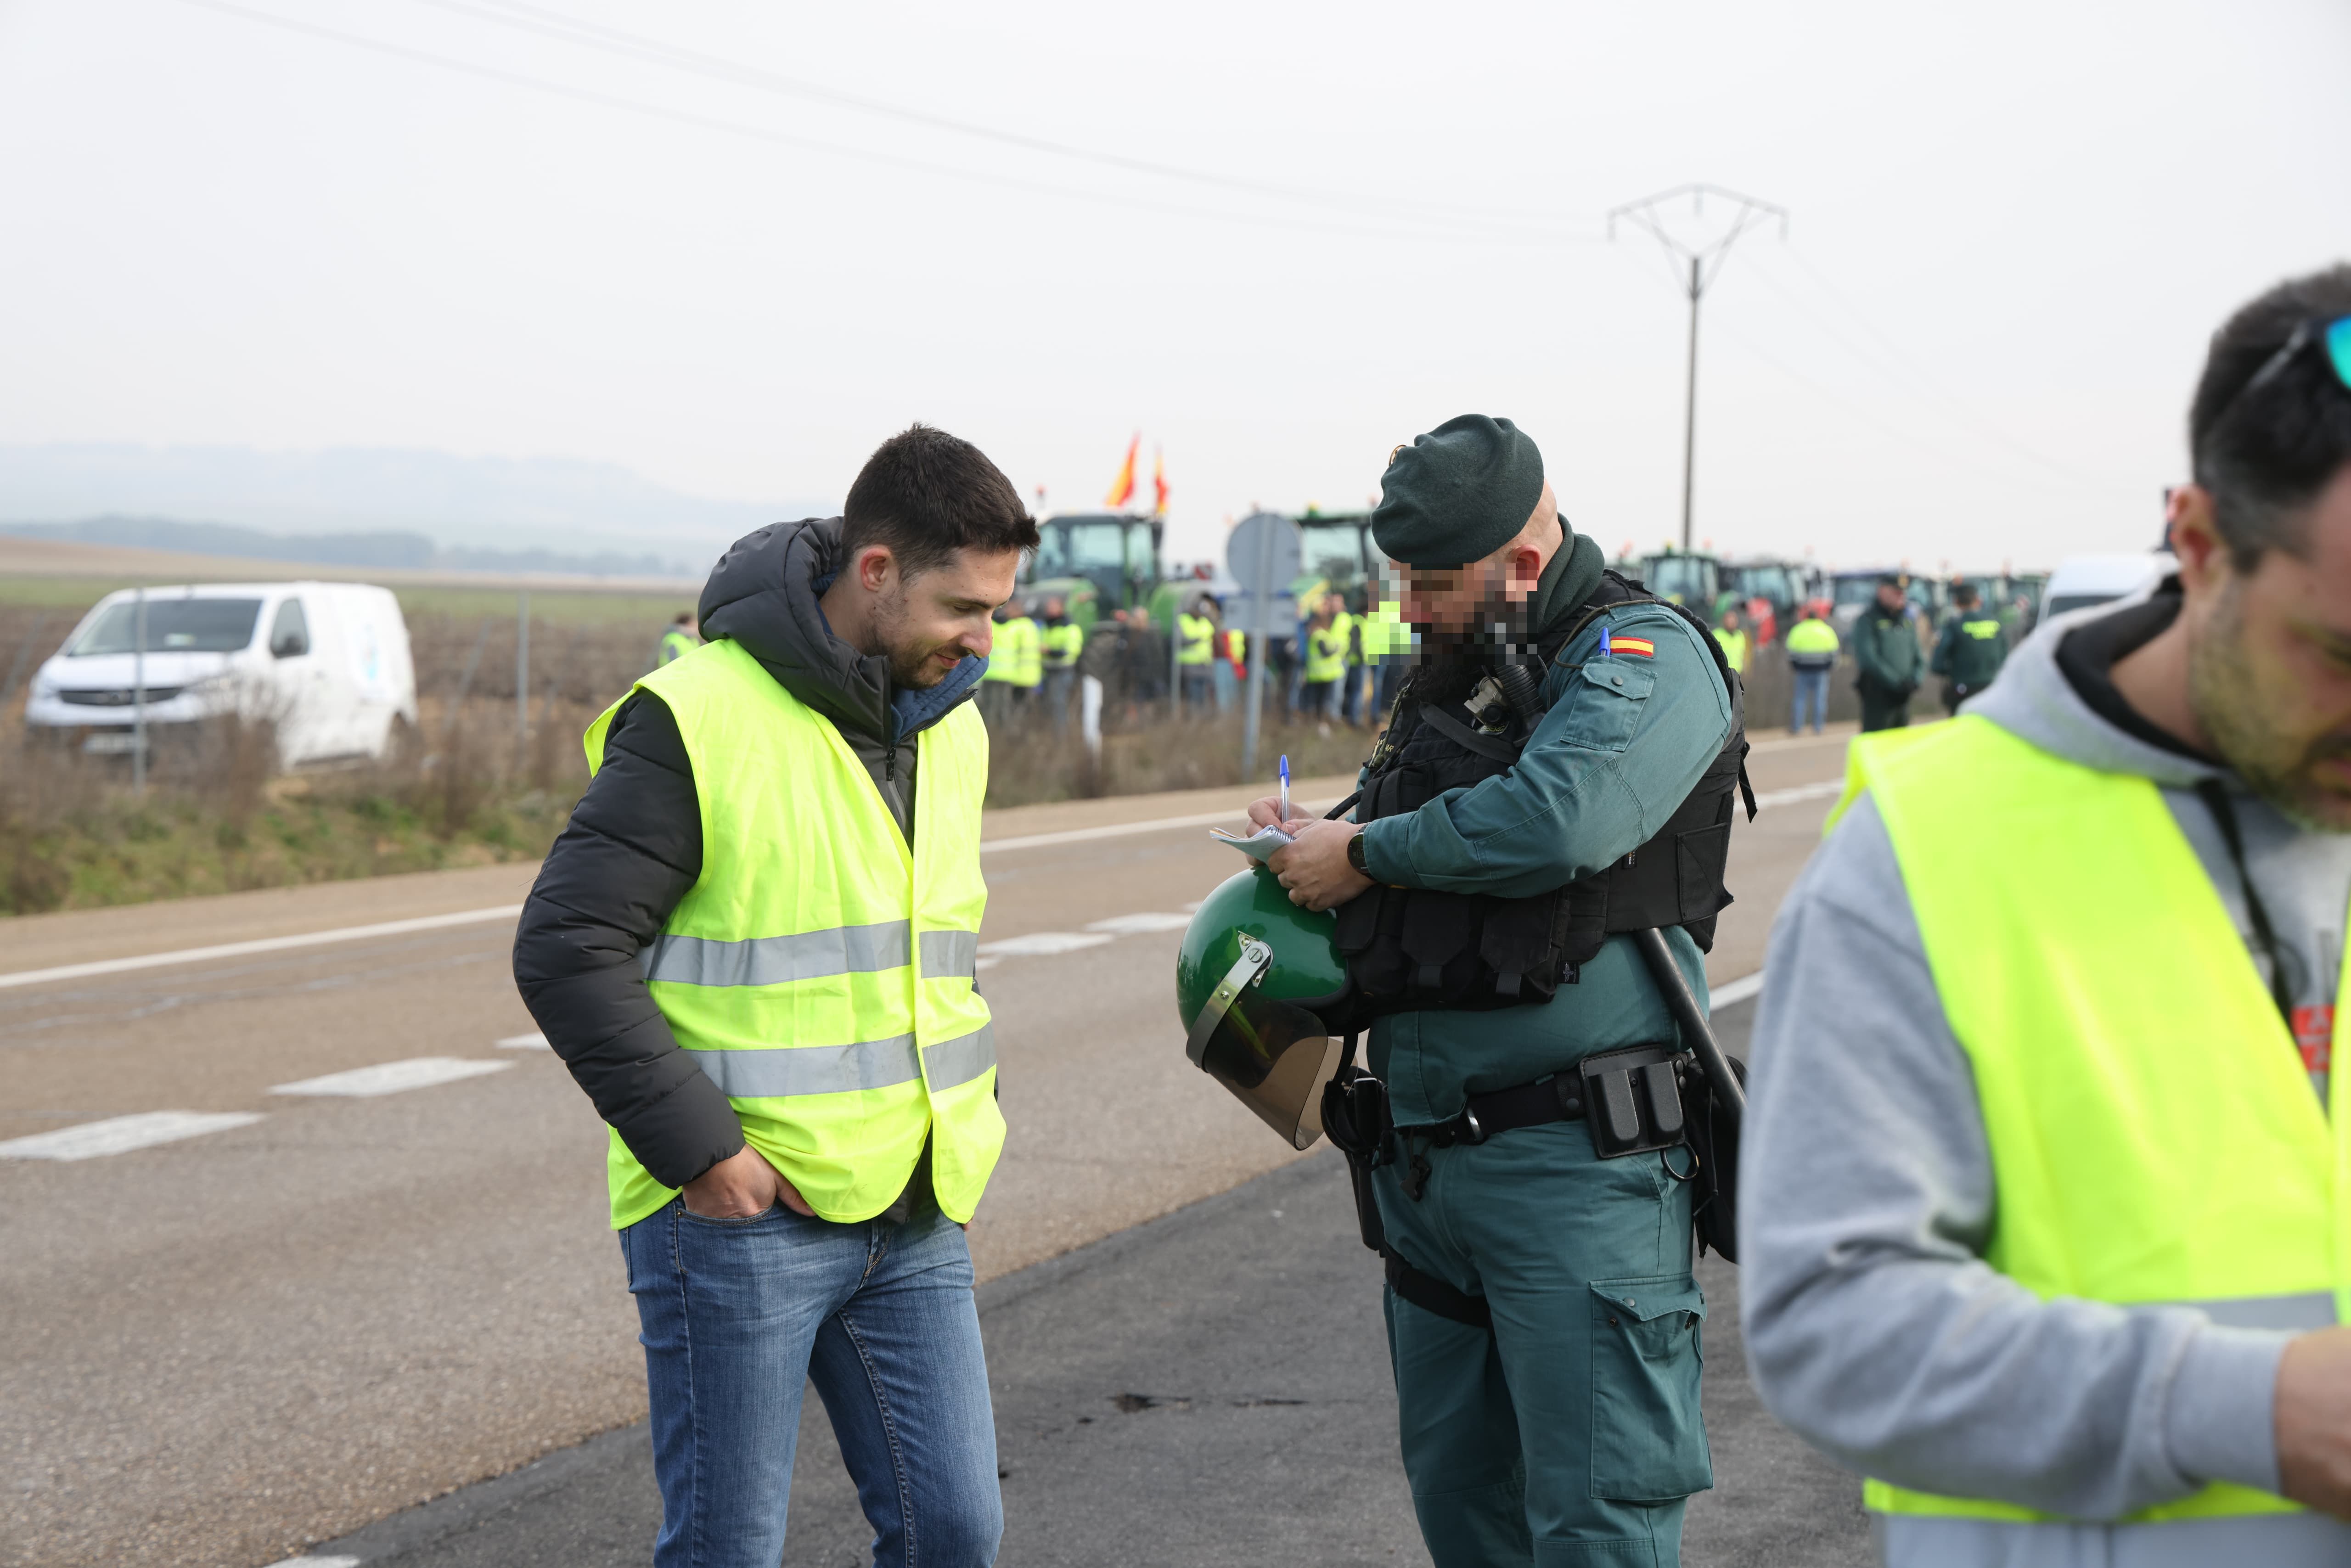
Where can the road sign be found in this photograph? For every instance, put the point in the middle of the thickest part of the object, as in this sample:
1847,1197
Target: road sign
1247,556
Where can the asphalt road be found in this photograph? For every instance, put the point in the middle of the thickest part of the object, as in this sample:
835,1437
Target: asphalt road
368,1293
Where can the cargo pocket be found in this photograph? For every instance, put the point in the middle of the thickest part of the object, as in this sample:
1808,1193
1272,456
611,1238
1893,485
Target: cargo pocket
1648,1439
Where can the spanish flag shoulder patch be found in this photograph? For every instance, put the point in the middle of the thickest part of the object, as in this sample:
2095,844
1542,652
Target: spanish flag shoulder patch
1611,643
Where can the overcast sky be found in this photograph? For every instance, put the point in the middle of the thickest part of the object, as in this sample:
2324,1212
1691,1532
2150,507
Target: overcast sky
2013,228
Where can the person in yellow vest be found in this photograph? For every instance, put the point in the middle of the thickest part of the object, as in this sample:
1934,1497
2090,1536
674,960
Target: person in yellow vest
1016,668
1732,635
681,639
1326,658
1196,650
754,946
2046,1176
1811,658
1061,643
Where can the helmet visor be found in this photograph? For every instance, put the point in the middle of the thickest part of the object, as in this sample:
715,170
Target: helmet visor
1273,1055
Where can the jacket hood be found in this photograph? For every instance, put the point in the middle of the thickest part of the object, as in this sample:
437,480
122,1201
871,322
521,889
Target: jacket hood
763,595
2032,699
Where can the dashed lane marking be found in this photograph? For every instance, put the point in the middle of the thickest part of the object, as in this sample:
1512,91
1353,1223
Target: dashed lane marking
265,944
1731,993
532,1041
393,1077
1790,797
120,1134
1043,944
1140,925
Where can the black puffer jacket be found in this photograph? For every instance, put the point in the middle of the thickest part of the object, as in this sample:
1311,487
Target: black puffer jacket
634,846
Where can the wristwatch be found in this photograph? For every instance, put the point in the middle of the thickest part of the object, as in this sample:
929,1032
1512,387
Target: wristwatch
1355,854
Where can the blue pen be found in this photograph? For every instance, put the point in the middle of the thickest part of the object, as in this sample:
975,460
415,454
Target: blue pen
1285,787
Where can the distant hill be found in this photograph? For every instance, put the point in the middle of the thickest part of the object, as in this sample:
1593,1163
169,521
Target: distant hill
472,507
413,552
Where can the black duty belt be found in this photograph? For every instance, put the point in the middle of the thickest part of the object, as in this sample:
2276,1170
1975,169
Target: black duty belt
1632,1096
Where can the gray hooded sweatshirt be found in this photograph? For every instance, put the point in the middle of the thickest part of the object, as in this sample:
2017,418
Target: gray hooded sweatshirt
1874,1327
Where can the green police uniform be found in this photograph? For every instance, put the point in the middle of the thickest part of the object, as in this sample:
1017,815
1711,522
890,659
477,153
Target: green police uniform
1886,650
1969,653
1570,1432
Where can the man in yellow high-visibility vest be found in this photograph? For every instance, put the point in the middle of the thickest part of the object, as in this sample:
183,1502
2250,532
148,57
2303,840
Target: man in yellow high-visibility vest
681,639
754,947
2047,1170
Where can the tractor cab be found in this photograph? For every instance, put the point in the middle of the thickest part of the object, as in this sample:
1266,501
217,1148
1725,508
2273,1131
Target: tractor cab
1096,562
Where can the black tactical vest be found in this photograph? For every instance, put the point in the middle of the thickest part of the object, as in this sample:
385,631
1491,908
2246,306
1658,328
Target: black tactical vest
1411,948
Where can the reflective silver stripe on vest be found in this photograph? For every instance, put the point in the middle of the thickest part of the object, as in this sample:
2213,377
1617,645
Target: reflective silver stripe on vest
812,1069
946,953
778,960
962,1059
2271,1540
2311,1309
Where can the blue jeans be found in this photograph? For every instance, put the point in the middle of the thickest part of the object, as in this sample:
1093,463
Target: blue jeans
738,1315
1813,691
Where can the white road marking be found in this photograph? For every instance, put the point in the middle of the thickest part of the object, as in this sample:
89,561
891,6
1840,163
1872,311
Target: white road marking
984,964
265,944
1790,797
119,1135
532,1041
1731,993
1041,944
1122,830
321,1562
1139,924
393,1077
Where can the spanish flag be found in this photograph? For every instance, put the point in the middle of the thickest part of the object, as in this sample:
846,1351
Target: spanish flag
1158,483
1122,489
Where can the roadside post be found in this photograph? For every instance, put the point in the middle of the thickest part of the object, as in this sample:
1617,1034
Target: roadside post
138,693
522,675
1262,553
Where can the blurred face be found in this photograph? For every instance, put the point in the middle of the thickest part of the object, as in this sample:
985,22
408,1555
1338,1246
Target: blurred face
1888,596
2269,665
929,624
1463,599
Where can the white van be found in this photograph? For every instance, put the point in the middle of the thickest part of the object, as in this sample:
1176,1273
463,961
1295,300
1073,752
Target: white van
2083,580
326,660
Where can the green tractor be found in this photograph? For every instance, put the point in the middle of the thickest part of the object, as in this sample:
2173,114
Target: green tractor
1097,563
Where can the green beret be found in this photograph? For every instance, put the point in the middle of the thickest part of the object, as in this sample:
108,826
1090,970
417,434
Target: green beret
1457,494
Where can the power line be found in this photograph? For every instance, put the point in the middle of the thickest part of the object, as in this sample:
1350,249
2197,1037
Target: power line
516,13
805,143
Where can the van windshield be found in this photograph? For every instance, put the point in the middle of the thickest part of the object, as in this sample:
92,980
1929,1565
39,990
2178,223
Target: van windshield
174,626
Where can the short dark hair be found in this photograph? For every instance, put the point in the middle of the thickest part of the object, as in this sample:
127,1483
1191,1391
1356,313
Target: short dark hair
1964,594
2266,456
926,494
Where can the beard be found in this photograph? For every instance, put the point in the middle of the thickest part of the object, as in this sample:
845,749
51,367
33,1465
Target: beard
2225,691
912,658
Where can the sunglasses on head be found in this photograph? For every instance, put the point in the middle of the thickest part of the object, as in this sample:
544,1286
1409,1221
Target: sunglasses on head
2335,334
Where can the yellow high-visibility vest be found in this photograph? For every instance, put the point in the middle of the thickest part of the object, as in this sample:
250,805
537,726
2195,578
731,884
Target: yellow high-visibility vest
820,968
1326,653
1017,654
1196,639
1734,647
676,644
1812,635
1385,632
2153,1134
1064,645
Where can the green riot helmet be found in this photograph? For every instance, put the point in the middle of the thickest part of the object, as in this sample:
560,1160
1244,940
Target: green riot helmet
1251,971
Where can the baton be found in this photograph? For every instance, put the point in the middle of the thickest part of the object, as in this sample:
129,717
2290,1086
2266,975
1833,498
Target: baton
1696,1030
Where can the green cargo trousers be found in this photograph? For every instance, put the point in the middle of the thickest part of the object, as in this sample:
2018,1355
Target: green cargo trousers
1571,1434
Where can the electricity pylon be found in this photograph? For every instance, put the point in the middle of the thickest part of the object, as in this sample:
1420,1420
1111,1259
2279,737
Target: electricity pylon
1705,264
